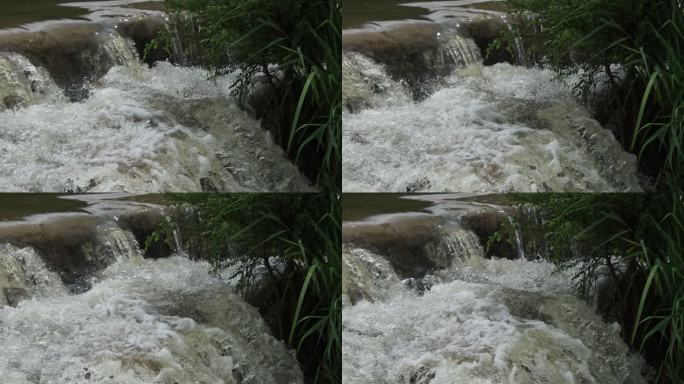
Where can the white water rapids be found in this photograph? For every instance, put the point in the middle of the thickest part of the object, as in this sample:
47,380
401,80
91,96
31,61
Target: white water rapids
485,128
483,321
143,321
165,128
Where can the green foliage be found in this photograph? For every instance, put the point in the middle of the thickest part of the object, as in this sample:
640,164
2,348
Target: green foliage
660,121
637,239
627,55
632,51
660,315
288,56
293,241
164,233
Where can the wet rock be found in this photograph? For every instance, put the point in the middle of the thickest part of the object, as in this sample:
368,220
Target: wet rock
421,184
412,243
489,226
13,102
418,53
13,295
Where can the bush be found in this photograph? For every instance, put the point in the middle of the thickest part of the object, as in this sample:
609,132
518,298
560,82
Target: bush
292,241
637,240
617,48
291,51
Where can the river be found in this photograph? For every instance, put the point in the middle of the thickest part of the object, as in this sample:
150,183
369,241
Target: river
81,112
425,303
79,303
426,109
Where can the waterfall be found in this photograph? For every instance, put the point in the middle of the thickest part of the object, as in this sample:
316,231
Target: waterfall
23,275
136,133
110,50
366,84
455,244
138,320
116,49
519,245
488,128
480,321
180,30
22,83
367,276
457,51
114,244
519,55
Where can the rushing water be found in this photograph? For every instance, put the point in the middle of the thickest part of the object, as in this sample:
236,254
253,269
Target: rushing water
477,321
142,321
128,127
424,114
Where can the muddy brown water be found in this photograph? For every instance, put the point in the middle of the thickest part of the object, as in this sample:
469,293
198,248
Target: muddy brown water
357,13
358,206
14,206
17,13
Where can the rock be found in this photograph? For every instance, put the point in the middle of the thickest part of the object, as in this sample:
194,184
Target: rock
412,243
486,224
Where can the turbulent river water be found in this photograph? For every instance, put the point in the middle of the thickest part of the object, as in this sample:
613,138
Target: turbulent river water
129,319
424,114
110,123
474,320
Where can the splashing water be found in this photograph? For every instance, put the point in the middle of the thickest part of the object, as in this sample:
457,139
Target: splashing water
22,83
485,321
111,50
497,128
162,321
366,84
143,129
456,50
23,275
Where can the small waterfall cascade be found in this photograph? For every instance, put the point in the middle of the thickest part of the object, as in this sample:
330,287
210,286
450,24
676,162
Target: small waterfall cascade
178,27
516,42
110,49
517,236
117,49
456,244
480,321
367,84
367,276
456,50
116,244
139,321
23,275
22,83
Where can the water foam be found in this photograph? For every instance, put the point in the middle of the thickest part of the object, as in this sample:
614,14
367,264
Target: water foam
162,321
24,275
22,83
494,321
143,129
497,128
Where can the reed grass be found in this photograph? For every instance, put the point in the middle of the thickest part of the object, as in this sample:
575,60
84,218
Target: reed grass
290,53
646,39
244,232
